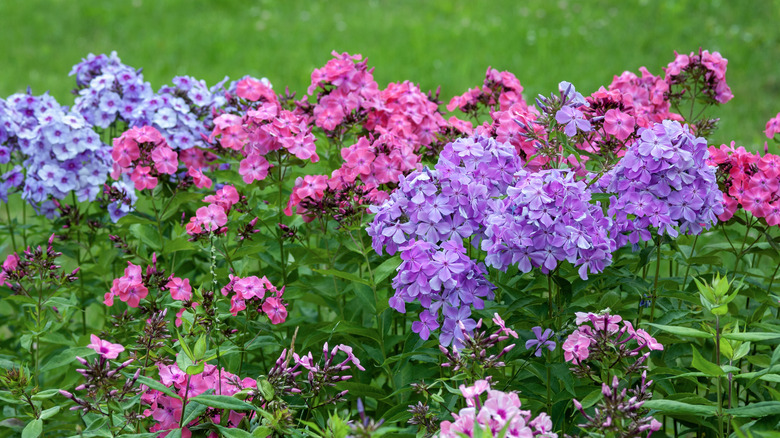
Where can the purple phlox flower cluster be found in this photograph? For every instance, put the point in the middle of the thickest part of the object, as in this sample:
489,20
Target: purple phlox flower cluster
663,182
110,92
183,112
601,336
569,114
620,410
57,148
547,218
428,217
500,411
479,346
542,341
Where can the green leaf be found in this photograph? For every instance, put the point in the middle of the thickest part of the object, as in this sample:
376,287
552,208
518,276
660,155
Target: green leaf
193,410
671,407
147,234
387,267
48,413
751,336
704,365
43,395
157,385
760,409
681,331
179,199
33,429
262,432
230,432
223,402
65,358
344,275
200,348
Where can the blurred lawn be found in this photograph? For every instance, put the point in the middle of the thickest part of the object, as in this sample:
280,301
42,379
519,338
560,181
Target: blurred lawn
438,42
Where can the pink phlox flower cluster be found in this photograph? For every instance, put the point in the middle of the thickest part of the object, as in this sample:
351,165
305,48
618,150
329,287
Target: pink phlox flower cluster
614,122
130,287
214,217
252,290
711,65
105,348
750,180
513,125
145,155
167,411
408,114
262,130
500,88
346,85
255,90
600,334
772,126
500,410
369,164
645,98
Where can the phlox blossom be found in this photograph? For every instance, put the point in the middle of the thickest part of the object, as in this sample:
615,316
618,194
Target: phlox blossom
105,348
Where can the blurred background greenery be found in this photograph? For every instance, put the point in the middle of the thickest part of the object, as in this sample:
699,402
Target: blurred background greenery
438,42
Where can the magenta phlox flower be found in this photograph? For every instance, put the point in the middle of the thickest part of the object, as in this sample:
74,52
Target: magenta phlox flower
500,413
542,341
575,348
105,348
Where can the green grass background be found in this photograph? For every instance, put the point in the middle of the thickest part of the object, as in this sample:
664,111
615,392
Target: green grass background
438,42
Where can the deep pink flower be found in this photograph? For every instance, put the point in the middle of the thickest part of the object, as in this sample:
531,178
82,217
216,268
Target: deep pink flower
105,348
274,308
165,159
142,178
253,168
180,289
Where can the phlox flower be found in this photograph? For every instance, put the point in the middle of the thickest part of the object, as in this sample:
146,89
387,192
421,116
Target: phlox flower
142,178
619,124
165,159
275,309
573,119
180,289
576,347
105,348
211,217
253,89
253,168
541,342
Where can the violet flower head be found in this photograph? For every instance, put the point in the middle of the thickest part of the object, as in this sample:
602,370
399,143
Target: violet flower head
573,119
542,341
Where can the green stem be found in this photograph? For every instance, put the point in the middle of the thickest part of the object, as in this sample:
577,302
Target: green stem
11,226
657,274
717,362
